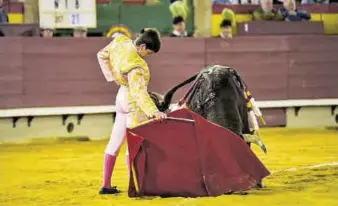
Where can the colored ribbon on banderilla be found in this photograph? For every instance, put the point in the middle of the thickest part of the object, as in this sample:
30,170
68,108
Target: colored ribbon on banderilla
253,111
252,105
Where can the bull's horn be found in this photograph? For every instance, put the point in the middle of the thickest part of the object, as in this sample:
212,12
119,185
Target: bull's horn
169,95
255,140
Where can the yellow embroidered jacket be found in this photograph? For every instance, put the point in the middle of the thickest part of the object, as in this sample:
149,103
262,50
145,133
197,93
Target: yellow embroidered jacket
120,62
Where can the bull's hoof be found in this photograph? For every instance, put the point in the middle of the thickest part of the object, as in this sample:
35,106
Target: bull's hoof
259,185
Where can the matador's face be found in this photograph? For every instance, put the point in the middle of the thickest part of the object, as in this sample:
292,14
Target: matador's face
143,51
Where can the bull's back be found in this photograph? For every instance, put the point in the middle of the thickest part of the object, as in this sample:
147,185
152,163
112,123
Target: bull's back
217,98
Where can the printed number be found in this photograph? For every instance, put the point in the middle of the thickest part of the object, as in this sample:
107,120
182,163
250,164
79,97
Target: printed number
56,4
77,4
75,18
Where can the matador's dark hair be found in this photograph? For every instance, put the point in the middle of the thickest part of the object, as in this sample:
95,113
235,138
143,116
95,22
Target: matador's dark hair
151,38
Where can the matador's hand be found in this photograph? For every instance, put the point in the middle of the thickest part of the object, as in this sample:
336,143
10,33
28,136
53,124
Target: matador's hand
159,116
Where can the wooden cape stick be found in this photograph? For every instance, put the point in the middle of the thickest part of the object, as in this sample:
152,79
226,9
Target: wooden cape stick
133,170
168,118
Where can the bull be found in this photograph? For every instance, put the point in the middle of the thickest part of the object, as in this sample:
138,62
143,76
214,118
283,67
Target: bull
217,95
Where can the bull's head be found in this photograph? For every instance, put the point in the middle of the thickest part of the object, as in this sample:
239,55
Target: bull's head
163,102
158,99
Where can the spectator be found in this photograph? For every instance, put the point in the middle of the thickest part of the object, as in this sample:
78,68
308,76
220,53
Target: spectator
315,2
222,2
226,29
291,13
235,2
80,32
179,8
228,26
47,32
266,11
179,28
3,15
277,2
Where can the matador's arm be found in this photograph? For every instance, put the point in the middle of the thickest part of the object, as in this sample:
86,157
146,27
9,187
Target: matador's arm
138,90
103,58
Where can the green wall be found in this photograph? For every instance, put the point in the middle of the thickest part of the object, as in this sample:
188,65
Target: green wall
137,17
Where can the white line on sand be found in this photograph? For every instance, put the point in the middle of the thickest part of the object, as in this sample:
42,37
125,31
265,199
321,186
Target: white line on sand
307,167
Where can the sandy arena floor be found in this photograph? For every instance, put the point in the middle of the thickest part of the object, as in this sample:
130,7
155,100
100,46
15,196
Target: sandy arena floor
69,173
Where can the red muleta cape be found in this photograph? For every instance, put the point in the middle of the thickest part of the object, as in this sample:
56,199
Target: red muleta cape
190,159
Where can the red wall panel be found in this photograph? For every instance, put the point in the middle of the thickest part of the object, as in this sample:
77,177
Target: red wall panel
37,72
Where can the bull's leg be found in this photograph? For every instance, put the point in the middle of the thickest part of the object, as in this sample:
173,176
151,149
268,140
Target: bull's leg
260,184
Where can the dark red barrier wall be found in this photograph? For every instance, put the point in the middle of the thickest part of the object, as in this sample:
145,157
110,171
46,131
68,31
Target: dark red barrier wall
295,67
37,72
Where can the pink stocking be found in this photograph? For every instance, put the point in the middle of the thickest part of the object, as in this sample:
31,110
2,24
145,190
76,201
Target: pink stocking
109,163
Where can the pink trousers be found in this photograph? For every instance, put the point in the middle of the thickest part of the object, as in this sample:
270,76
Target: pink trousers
120,125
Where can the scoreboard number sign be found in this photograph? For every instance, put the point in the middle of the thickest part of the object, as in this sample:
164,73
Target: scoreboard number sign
66,14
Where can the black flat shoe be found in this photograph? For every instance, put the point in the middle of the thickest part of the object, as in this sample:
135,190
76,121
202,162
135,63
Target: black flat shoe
105,191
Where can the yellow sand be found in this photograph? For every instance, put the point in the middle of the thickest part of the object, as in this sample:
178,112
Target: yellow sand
69,173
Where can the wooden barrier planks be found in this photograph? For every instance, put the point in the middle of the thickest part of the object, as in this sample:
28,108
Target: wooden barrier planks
36,72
